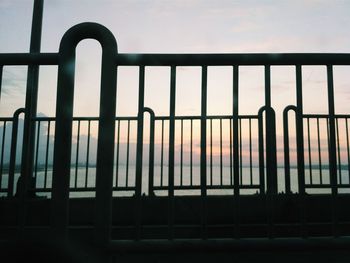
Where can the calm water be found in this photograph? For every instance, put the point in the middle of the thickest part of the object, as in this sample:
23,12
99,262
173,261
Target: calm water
216,175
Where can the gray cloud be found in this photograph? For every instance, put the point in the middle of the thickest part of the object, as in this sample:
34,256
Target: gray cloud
14,80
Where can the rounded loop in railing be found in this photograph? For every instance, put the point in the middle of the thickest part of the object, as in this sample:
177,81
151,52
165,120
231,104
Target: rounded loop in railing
300,156
271,161
150,111
87,30
286,146
63,129
151,151
13,152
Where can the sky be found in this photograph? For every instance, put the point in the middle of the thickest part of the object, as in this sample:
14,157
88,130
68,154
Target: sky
183,26
193,26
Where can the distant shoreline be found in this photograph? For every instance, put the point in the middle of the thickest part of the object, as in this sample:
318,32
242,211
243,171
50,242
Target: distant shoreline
41,168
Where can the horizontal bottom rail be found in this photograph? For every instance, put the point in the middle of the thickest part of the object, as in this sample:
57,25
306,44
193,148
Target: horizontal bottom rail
244,244
208,187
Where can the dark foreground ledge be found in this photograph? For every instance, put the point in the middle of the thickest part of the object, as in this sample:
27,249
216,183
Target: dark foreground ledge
334,250
227,250
232,245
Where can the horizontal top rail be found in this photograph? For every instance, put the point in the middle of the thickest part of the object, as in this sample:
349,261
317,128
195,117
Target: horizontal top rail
209,117
232,59
85,118
21,59
248,59
180,117
192,117
325,116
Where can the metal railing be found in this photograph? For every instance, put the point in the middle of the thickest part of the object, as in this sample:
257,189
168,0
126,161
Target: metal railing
220,171
9,165
317,169
110,146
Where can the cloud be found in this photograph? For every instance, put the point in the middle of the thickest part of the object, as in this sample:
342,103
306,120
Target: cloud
14,80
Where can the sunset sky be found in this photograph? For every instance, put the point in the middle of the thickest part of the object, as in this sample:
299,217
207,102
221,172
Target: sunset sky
186,26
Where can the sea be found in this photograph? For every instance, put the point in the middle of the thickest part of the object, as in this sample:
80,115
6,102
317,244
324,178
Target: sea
217,176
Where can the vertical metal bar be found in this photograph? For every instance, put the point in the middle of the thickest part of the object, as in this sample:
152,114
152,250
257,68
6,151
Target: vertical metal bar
151,154
1,72
162,155
250,152
286,151
2,152
32,91
221,175
127,156
140,124
347,146
309,149
261,152
171,151
236,154
319,150
267,74
231,172
300,149
328,142
332,135
203,169
240,154
332,150
271,158
271,154
181,154
191,154
139,152
47,151
106,136
338,148
88,155
77,156
117,157
37,151
211,151
30,112
300,130
12,165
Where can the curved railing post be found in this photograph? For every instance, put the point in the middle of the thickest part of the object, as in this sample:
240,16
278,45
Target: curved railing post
286,145
300,149
63,130
271,151
300,162
261,150
13,151
151,151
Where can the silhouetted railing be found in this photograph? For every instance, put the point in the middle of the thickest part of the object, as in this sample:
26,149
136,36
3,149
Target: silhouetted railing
317,173
8,166
83,161
68,158
4,122
81,158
